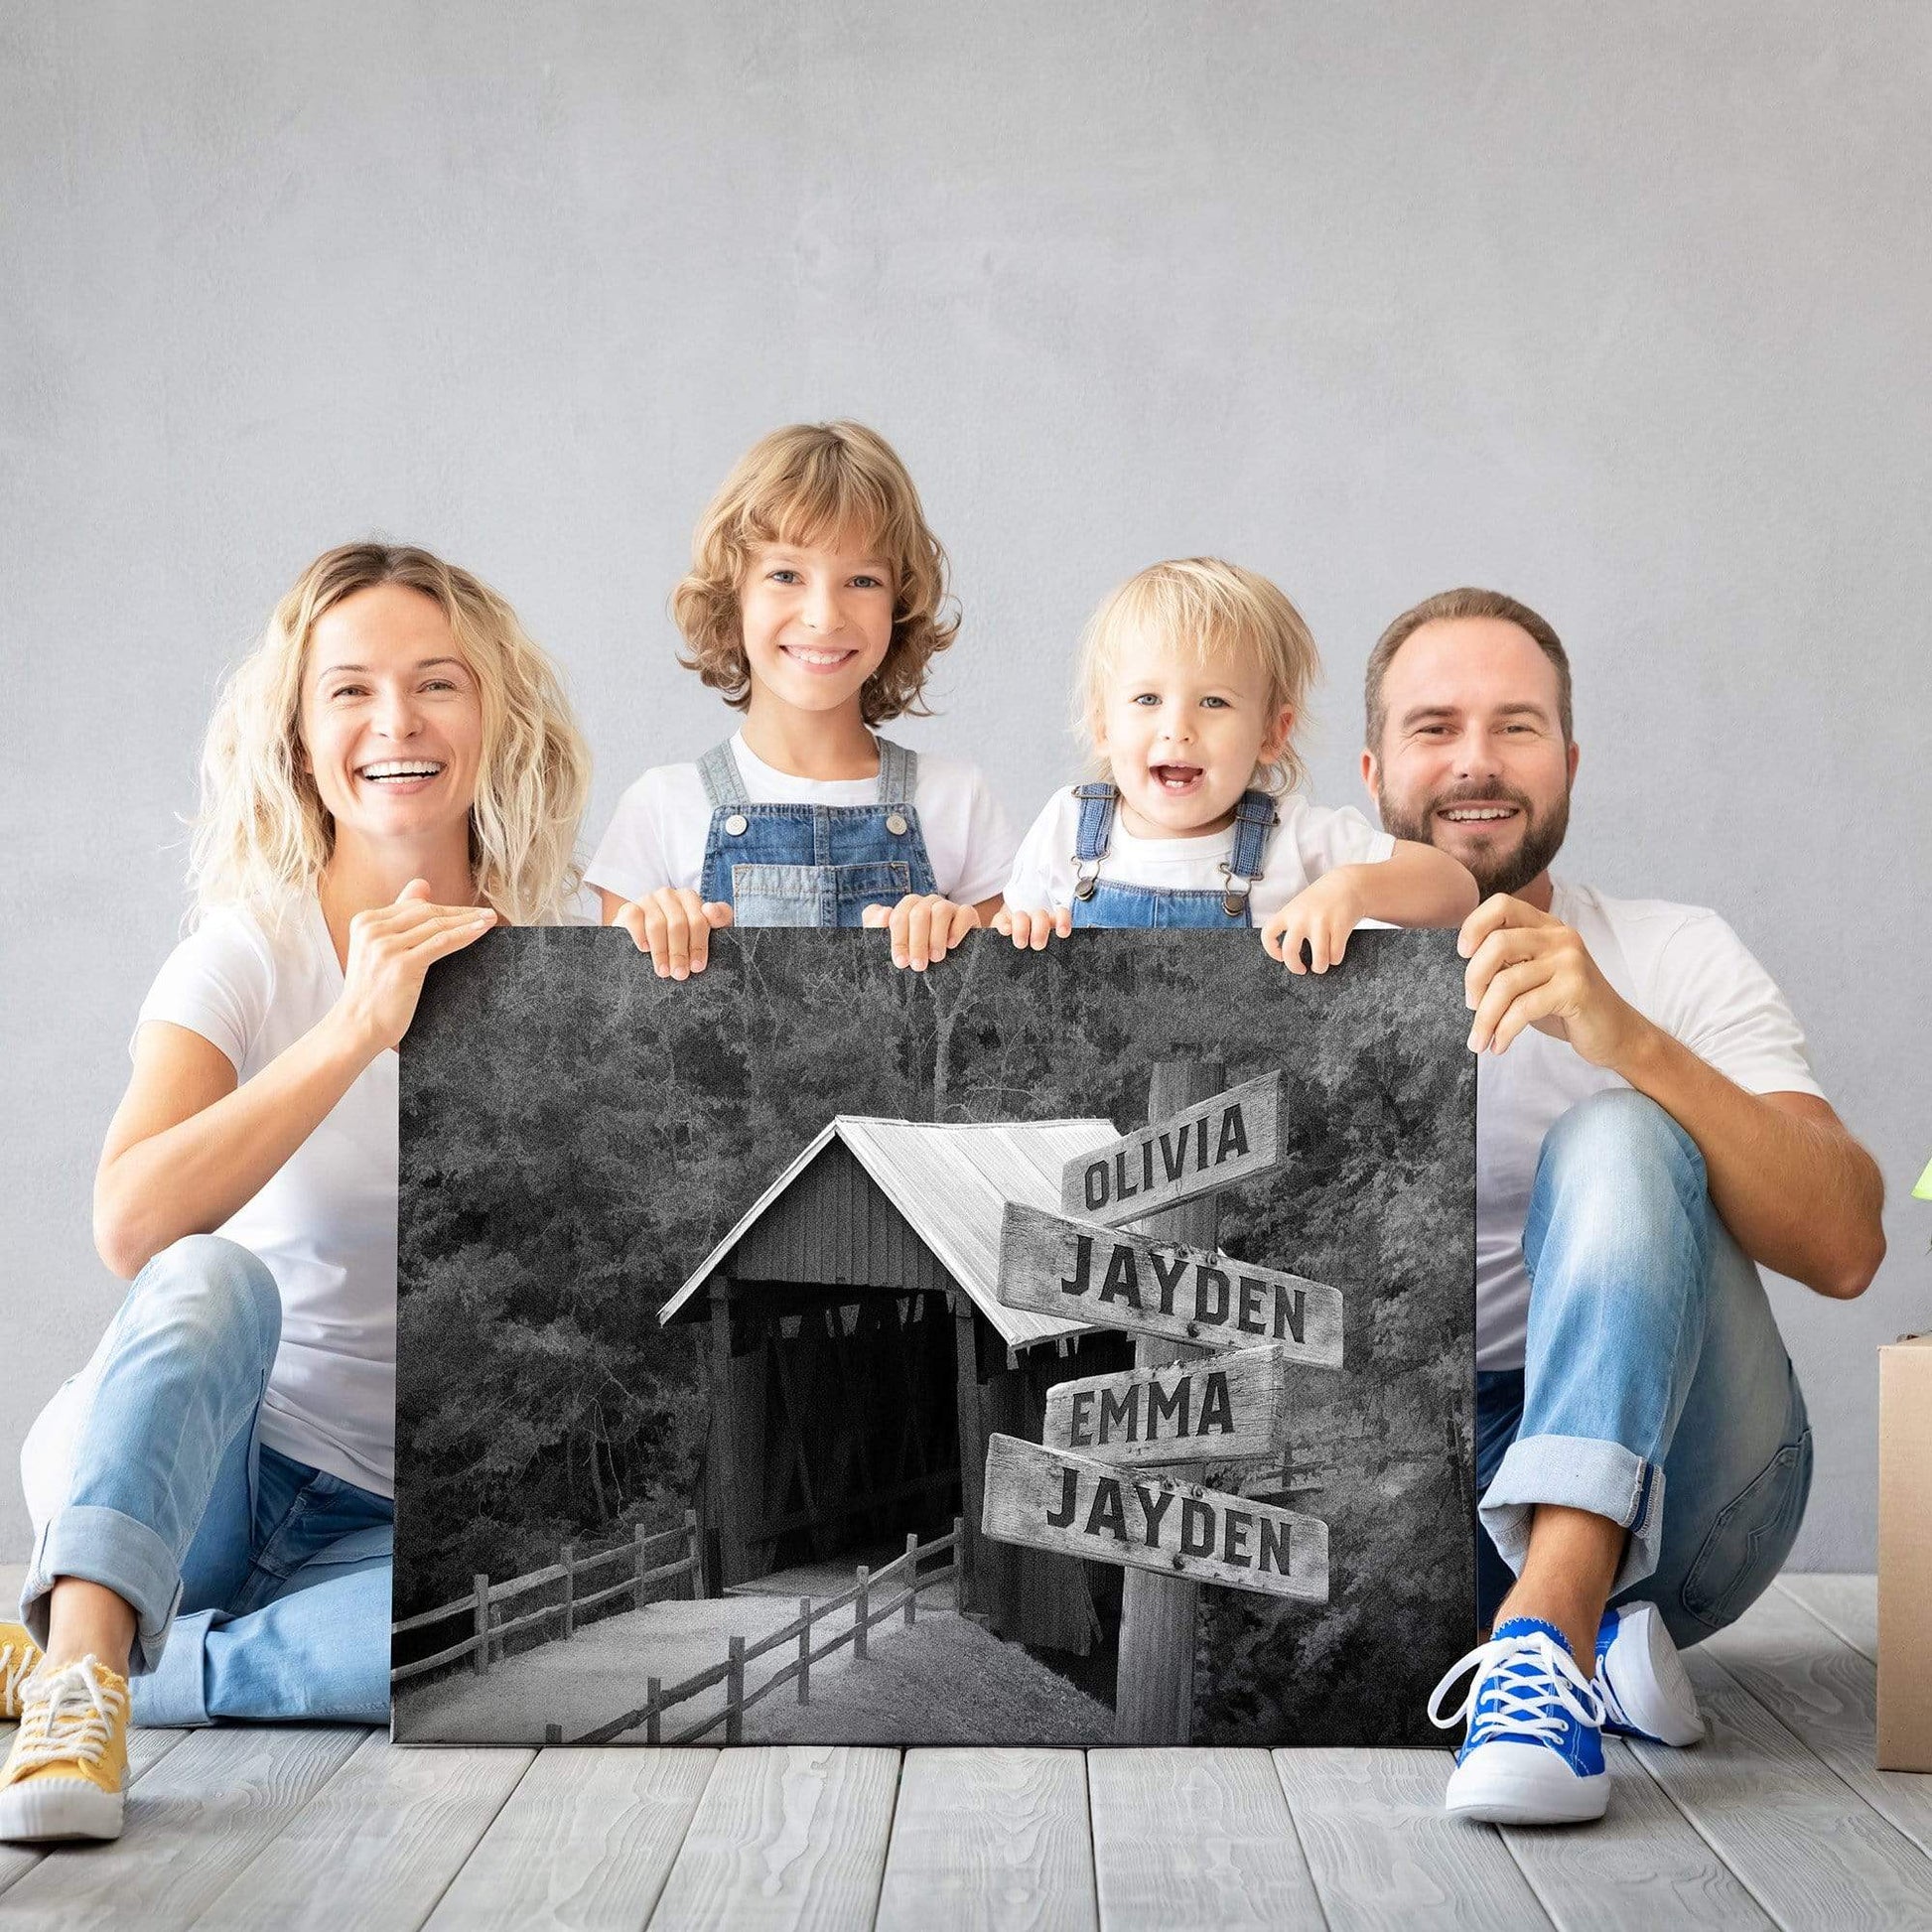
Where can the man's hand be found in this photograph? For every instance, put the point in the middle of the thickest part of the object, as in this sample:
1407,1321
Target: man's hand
1528,969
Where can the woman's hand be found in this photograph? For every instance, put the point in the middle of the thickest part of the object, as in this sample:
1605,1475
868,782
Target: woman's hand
673,924
925,927
390,948
1033,929
1322,915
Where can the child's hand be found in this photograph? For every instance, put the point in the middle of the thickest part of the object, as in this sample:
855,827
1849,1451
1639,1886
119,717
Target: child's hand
923,926
1322,915
674,925
1032,928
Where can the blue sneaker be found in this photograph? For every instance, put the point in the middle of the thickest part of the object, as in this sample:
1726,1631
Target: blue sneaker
1640,1679
1534,1755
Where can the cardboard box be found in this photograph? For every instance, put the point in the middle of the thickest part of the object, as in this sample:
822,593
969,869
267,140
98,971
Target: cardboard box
1905,1555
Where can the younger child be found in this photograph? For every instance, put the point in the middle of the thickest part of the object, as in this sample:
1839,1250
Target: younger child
815,603
1192,675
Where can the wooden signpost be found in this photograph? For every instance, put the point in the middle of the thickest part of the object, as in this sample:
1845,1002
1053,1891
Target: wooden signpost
1084,1272
1083,1507
1221,1341
1197,1150
1231,1408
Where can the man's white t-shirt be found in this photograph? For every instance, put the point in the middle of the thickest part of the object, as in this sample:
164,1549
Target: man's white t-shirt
1683,968
325,1225
656,836
1309,840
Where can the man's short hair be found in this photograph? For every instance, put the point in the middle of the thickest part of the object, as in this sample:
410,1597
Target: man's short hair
1461,604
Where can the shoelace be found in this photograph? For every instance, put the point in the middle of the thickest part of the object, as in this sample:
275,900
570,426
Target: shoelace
17,1662
69,1713
1613,1711
1529,1677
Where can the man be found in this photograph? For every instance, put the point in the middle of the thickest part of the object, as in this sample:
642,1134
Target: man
1647,1129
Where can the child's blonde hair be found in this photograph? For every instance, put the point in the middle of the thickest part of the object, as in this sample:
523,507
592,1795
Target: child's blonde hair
263,835
811,484
1205,606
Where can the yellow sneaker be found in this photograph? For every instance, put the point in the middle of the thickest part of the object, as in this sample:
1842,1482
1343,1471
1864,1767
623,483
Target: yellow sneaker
19,1657
67,1769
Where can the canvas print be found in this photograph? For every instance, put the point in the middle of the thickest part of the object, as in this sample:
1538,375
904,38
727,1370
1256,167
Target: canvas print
1068,1348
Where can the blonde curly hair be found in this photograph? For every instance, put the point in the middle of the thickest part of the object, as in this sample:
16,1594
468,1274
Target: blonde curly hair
1204,606
808,483
263,835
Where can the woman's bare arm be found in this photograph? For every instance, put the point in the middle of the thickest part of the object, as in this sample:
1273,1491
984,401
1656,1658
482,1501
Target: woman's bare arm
190,1144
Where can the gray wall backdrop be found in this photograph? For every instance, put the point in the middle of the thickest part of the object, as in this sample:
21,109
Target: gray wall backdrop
1623,310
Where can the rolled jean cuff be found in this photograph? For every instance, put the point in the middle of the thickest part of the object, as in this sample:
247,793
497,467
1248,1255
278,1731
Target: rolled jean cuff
1577,1472
102,1546
175,1693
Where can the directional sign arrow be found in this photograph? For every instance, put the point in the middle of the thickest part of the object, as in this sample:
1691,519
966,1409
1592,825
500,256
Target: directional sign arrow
1198,1151
1230,1406
1079,1507
1080,1271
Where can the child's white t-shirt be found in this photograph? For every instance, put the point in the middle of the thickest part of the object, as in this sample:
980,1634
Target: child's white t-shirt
656,836
325,1226
1309,840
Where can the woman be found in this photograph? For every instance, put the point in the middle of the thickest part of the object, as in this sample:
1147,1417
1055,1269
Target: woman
391,771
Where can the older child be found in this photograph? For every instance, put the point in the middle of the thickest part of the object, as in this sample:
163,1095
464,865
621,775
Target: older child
1193,677
815,603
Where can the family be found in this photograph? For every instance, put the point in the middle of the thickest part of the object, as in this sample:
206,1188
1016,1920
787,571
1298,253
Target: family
395,768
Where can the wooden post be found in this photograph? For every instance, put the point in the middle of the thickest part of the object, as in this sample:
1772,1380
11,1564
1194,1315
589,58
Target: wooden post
688,1583
721,1464
653,1717
566,1556
637,1566
735,1694
553,1734
860,1611
911,1577
479,1656
1155,1701
972,1454
806,1651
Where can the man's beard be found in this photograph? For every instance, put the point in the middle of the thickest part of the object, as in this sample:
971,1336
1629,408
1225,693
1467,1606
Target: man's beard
1507,871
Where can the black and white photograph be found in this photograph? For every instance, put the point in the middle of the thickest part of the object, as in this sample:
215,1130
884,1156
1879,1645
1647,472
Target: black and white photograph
1064,1348
967,966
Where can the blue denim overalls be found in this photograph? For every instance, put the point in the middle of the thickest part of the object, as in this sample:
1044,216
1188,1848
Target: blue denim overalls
812,865
1101,901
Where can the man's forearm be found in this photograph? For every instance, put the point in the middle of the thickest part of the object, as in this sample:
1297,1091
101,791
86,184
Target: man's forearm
1798,1194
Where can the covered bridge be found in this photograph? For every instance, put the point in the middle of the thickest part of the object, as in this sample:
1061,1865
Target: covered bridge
859,1358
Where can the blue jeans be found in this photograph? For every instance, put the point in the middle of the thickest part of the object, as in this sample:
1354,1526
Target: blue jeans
260,1586
1655,1389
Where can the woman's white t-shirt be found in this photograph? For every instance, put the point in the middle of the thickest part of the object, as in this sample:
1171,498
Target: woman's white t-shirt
325,1224
1309,840
657,836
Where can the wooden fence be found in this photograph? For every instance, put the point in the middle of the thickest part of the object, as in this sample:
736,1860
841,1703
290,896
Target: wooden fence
867,1610
488,1602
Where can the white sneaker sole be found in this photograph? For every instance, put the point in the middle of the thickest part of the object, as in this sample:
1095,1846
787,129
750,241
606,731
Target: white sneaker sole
51,1808
1646,1676
1523,1784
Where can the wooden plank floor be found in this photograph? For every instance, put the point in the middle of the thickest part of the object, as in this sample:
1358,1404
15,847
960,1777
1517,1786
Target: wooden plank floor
1779,1819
